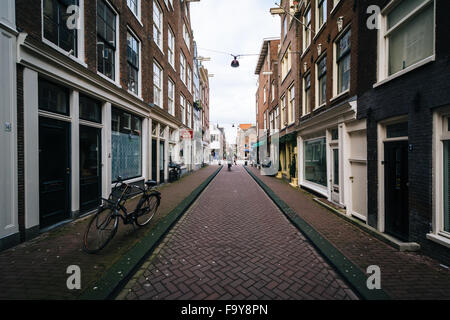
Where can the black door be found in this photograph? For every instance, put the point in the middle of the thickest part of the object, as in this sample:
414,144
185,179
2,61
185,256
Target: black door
161,162
154,159
396,189
90,168
54,171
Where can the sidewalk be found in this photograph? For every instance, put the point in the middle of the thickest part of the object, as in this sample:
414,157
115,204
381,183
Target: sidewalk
404,275
37,269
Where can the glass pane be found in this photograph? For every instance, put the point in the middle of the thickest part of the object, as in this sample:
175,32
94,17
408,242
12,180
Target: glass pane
53,97
126,144
336,166
315,169
397,130
335,134
447,186
402,10
344,74
412,42
90,109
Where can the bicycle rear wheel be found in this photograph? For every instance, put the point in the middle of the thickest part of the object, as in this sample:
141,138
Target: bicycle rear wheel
100,230
148,209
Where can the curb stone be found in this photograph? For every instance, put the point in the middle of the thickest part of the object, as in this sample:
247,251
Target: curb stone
114,278
349,271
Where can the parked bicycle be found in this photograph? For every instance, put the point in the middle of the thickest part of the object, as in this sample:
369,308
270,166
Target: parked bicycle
104,224
174,172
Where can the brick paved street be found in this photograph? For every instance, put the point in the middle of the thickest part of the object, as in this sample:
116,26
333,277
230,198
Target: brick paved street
234,243
404,275
37,269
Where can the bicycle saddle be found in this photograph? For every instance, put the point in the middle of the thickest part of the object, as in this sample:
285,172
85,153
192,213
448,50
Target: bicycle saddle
151,183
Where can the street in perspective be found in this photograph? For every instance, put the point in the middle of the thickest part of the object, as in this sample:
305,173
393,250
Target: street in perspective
224,156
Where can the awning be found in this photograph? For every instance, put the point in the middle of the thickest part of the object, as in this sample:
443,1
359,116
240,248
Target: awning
291,137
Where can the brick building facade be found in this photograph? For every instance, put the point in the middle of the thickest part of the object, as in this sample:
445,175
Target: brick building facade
372,123
104,89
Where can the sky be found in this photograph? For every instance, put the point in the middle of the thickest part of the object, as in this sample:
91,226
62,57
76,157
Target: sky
234,27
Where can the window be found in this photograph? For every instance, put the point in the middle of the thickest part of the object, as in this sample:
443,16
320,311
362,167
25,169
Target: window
134,6
291,109
157,85
183,68
186,37
334,134
157,25
265,94
307,96
189,79
126,145
53,97
265,121
90,109
55,25
286,63
283,112
307,29
277,118
322,81
273,90
133,64
171,48
321,13
171,97
408,36
315,163
189,115
183,109
106,40
397,130
285,27
343,48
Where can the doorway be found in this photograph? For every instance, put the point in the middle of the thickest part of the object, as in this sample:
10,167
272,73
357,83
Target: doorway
396,189
54,171
154,160
335,175
90,168
161,161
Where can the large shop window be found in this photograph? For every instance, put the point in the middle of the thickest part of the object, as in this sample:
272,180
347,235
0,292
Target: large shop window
106,40
446,186
53,97
126,145
315,161
410,33
55,24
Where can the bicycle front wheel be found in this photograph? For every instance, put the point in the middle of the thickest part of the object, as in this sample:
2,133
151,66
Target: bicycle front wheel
148,210
100,230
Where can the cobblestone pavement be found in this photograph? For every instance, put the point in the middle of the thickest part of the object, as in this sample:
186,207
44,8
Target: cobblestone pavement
404,275
36,269
234,243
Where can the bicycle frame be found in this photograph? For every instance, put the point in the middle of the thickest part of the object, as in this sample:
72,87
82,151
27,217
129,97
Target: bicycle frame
119,205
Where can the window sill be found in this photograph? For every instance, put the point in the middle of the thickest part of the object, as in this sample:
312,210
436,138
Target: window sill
439,239
108,79
64,52
405,71
320,31
320,107
157,45
335,7
137,17
305,51
138,96
343,93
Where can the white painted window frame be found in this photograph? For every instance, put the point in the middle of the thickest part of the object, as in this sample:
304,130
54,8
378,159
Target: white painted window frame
383,42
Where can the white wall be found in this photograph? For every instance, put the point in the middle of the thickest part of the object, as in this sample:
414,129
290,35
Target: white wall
8,123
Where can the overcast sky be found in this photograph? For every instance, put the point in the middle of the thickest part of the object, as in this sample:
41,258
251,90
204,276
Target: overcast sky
235,27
